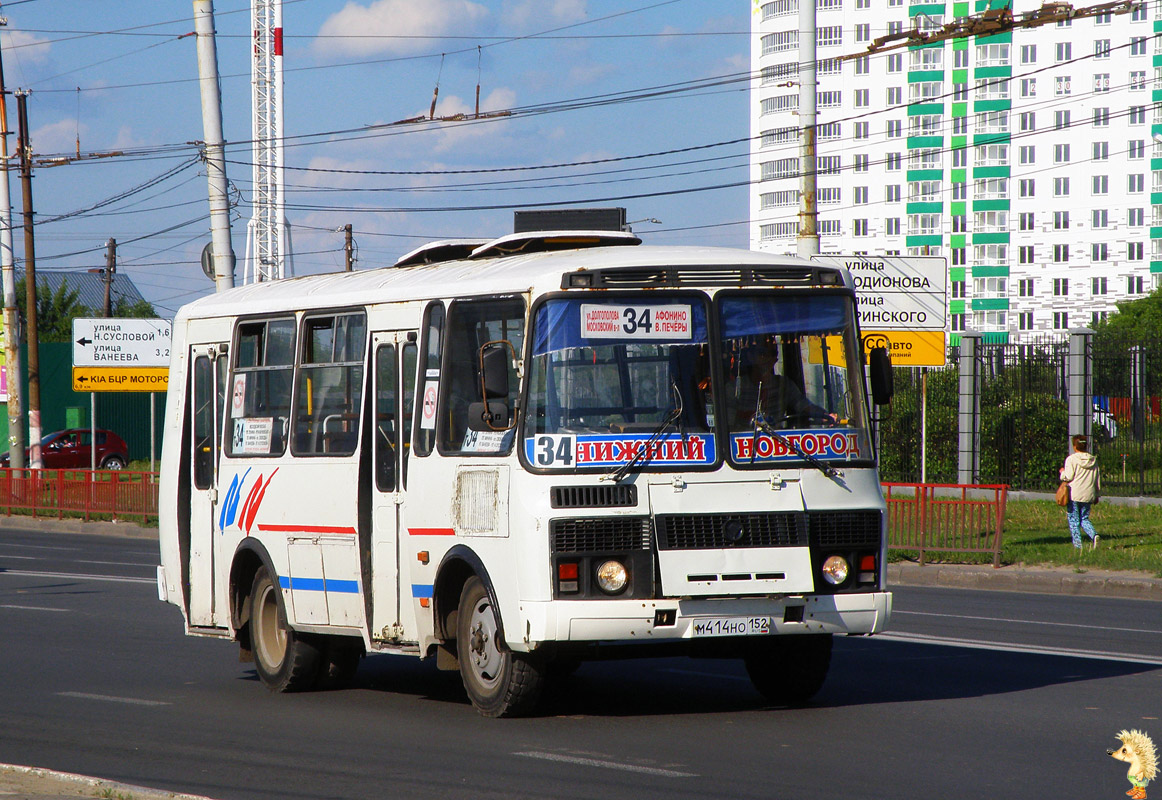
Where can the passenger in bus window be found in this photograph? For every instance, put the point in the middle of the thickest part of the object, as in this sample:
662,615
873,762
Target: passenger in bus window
763,388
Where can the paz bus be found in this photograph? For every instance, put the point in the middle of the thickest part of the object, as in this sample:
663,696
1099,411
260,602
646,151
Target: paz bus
515,455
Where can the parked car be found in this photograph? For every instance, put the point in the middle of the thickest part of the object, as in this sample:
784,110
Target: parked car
72,449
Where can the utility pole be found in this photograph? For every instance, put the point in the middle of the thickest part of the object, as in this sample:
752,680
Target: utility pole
349,247
11,312
215,154
110,268
807,243
35,460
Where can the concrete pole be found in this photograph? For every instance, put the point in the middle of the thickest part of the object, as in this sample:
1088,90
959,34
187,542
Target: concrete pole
1080,384
968,458
807,243
215,145
12,361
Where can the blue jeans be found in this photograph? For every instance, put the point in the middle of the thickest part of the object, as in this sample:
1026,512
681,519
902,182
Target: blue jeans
1078,515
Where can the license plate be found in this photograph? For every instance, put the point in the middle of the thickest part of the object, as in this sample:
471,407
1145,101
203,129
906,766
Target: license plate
733,626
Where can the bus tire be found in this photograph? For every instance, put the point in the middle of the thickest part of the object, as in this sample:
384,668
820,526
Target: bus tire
499,682
789,670
286,661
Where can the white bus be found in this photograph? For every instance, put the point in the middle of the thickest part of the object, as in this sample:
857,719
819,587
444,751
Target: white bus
519,454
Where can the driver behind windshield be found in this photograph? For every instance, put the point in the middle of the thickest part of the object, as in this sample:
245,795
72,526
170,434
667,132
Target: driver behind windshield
763,388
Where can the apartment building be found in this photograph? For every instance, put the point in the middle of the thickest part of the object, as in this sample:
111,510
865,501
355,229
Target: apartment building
1031,160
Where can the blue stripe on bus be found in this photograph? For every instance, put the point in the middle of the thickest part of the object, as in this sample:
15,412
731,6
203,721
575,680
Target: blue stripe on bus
319,585
422,590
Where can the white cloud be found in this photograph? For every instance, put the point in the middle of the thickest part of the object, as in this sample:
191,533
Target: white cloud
57,137
523,14
362,25
24,46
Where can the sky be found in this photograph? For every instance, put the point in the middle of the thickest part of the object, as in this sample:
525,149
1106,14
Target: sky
634,103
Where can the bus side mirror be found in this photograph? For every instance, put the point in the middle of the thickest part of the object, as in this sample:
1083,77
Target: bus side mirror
880,372
492,412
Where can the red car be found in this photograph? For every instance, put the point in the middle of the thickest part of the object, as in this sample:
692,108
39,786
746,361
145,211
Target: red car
72,449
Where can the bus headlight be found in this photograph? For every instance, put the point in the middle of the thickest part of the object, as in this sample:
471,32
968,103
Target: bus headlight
835,570
612,576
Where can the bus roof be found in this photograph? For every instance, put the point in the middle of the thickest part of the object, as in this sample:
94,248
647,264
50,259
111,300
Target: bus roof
485,273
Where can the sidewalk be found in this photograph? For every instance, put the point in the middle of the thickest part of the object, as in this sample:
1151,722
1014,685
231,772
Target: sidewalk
1041,580
24,783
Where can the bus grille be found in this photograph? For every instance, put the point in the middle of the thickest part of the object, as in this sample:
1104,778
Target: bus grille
716,531
603,496
846,528
601,535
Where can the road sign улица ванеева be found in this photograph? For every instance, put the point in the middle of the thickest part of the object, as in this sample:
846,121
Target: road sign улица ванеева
121,355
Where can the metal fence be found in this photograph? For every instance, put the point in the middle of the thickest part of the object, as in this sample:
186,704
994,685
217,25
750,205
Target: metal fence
82,493
946,518
1024,422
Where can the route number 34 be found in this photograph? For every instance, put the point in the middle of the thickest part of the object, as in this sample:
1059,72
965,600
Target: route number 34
553,451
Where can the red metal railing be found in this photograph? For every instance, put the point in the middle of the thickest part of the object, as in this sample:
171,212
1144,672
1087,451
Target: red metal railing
54,492
946,518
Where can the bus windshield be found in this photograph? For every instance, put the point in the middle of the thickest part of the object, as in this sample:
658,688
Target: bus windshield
792,377
613,376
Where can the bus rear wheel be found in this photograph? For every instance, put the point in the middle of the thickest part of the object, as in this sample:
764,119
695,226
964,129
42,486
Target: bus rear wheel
499,682
286,661
789,670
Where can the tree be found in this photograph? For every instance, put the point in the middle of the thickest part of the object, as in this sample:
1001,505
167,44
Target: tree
138,309
1134,319
55,311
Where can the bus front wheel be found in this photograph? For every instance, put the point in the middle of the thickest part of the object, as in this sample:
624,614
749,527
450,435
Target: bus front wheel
499,682
285,660
789,670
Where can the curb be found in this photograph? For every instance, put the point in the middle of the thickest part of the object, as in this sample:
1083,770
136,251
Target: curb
1064,580
20,781
52,525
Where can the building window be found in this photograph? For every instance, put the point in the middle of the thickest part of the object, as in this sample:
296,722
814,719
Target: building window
829,35
828,195
1027,122
1061,187
1028,87
1100,218
1060,220
1135,183
959,57
1026,154
1098,286
1099,251
892,193
859,227
959,257
1025,320
860,162
1137,115
1060,320
960,191
895,95
1136,148
1101,184
957,322
958,290
1138,13
1025,286
1060,153
1061,86
1101,151
1137,80
1101,48
827,165
892,226
895,128
960,157
1135,284
959,125
1060,254
1101,82
1135,251
1061,120
1135,217
1137,45
1101,117
1026,187
779,42
959,223
861,195
863,32
863,65
893,161
1028,54
1061,287
1063,52
895,62
862,98
1025,255
1025,221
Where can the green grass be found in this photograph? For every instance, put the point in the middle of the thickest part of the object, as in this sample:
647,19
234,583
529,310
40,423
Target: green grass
1036,533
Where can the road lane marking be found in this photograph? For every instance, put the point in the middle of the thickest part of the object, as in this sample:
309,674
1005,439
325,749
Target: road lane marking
76,575
35,546
975,644
147,564
34,608
1027,622
604,764
133,701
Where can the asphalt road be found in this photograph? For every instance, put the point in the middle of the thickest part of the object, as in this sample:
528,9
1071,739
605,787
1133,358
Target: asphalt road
972,694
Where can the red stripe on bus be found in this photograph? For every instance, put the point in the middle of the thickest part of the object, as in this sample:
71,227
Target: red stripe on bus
307,529
431,531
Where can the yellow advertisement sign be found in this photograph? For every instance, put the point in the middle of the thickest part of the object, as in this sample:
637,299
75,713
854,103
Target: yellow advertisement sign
907,348
120,379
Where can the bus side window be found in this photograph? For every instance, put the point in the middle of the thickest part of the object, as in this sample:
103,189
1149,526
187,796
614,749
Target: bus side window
410,354
202,398
386,425
429,379
260,388
330,385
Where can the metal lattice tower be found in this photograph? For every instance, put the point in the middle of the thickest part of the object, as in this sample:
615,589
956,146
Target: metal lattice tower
268,254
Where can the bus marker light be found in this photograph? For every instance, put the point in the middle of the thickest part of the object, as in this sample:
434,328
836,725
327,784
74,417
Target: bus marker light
423,556
567,576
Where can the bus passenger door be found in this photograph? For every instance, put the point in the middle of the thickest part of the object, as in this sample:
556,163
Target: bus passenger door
207,397
394,358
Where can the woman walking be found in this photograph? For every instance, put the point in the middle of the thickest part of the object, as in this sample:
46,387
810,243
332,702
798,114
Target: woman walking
1084,479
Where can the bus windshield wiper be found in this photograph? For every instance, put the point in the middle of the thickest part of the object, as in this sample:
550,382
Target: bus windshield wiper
760,422
642,455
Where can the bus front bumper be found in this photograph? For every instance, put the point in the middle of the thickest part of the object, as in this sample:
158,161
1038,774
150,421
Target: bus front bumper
643,621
